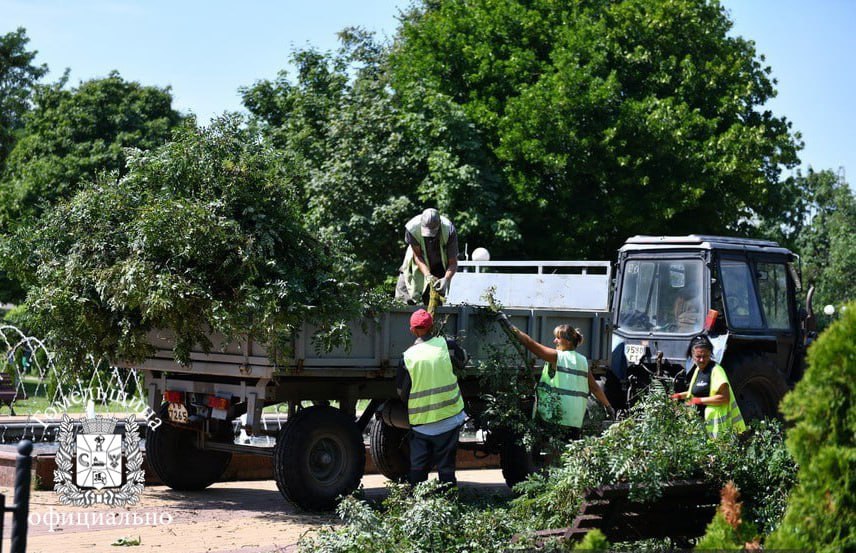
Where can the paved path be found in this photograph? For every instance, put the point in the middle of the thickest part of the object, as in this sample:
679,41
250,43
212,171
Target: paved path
230,517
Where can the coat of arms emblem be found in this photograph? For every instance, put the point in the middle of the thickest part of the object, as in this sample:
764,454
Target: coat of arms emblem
106,465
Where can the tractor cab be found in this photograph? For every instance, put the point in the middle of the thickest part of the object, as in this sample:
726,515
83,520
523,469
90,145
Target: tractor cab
740,292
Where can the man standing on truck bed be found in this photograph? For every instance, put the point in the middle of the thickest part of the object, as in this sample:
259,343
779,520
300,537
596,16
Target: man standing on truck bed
431,258
428,386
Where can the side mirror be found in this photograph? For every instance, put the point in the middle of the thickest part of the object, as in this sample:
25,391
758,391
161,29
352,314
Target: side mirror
809,321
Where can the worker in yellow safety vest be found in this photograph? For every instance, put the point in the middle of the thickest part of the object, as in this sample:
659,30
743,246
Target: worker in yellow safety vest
429,388
431,259
710,391
565,374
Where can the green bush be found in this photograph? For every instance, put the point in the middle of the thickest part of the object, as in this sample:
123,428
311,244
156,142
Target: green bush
593,541
728,531
820,512
203,234
762,468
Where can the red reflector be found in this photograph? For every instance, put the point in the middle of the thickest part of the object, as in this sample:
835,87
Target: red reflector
710,320
215,402
173,397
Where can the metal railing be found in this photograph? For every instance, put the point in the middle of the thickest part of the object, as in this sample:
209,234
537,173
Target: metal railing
21,508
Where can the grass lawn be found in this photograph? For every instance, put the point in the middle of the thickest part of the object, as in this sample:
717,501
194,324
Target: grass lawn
37,403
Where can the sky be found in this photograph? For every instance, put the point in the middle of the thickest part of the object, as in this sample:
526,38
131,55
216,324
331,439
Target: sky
206,50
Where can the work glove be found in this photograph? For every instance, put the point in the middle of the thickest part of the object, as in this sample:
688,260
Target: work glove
694,401
502,318
677,396
610,411
441,285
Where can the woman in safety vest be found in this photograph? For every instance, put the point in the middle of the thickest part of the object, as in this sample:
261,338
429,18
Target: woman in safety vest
711,392
565,374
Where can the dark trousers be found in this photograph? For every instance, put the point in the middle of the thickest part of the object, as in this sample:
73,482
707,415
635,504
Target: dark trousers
427,451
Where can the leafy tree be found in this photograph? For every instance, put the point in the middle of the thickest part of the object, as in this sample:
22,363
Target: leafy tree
607,118
827,242
18,76
71,135
201,235
821,510
365,161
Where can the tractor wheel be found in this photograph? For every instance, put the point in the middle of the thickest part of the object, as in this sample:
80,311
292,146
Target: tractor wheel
757,385
319,456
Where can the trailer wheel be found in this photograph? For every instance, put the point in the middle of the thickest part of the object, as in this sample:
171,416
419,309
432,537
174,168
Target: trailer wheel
319,456
758,386
173,456
516,461
390,450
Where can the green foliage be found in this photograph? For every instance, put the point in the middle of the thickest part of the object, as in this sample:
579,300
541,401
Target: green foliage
427,519
506,406
762,468
643,112
18,76
661,440
728,531
827,243
364,159
72,135
593,541
821,512
202,235
720,536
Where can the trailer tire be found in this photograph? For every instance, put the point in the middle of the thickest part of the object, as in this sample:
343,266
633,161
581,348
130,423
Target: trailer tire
319,456
516,461
758,386
390,450
175,459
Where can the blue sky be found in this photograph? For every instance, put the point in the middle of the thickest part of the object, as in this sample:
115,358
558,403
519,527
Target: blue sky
205,50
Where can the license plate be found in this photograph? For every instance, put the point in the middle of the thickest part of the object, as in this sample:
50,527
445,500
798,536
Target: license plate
634,353
177,413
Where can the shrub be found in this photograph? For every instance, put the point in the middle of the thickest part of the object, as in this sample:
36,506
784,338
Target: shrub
593,541
820,512
762,468
728,531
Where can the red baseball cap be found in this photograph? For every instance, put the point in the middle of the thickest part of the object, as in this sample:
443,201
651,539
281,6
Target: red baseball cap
421,319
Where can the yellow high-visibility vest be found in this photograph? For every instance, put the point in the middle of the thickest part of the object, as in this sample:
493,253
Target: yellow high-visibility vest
720,418
434,391
413,278
570,383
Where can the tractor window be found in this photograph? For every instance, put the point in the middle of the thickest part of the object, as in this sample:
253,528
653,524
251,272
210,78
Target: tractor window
773,289
741,304
664,296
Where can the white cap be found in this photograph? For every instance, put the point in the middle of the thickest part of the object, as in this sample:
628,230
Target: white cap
430,222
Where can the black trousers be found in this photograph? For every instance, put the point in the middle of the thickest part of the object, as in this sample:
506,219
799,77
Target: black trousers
427,451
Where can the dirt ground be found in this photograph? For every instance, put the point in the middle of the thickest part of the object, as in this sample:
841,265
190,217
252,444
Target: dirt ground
230,517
